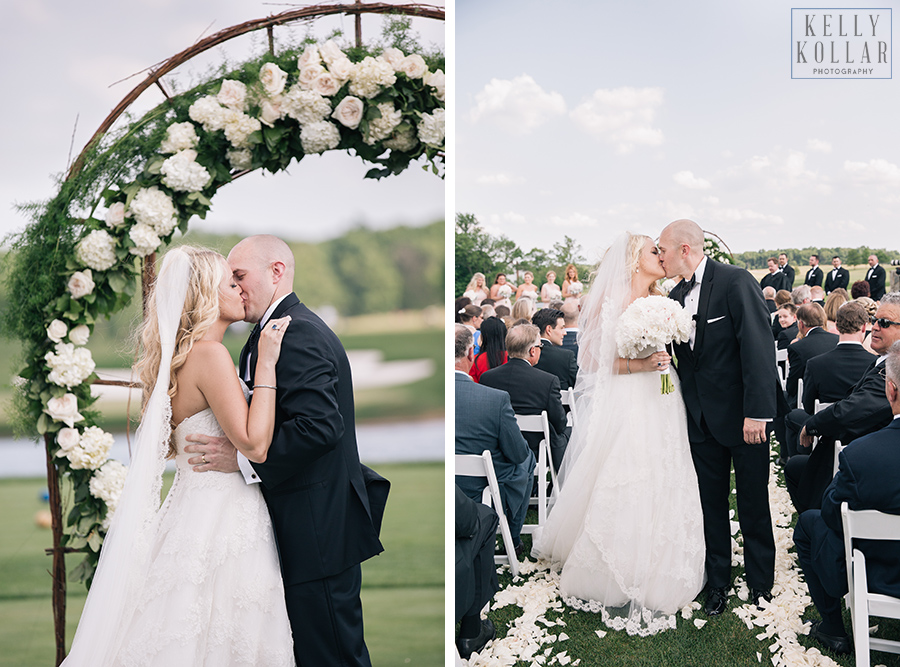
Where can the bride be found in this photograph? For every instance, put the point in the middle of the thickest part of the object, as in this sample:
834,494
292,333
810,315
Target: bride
197,581
627,528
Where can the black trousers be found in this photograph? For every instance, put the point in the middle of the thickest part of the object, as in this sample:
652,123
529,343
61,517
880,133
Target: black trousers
713,463
326,620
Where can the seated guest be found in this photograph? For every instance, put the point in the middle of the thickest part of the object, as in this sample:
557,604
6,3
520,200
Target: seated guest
859,288
558,304
871,307
834,301
493,347
817,294
485,421
461,303
487,311
787,317
570,341
502,311
471,318
554,359
530,390
838,277
800,295
863,484
476,574
523,309
864,410
774,278
769,296
781,297
816,341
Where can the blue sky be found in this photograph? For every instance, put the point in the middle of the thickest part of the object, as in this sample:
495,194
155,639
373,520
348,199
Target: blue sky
585,118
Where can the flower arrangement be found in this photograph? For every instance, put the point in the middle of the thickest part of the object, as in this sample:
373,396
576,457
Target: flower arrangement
652,322
575,288
713,248
504,292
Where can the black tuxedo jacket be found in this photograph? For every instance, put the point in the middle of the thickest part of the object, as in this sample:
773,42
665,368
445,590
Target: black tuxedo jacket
876,277
531,391
786,336
554,359
789,275
775,280
770,304
841,280
570,342
818,341
730,374
829,377
312,480
814,277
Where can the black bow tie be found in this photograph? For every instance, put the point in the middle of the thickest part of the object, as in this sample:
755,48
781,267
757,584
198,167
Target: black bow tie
691,283
253,341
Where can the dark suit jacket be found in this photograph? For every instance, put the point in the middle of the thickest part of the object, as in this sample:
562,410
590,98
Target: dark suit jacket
570,342
775,280
554,359
829,377
770,304
818,341
476,576
863,484
789,275
814,277
785,336
841,280
312,479
531,391
876,278
730,374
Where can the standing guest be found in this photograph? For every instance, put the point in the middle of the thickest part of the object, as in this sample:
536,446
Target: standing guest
837,277
769,296
557,304
860,288
523,309
787,270
787,317
554,358
814,276
550,291
501,291
493,348
477,289
834,301
773,278
572,287
876,277
817,294
527,288
816,341
570,341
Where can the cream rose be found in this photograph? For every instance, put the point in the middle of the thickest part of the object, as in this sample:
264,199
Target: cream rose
115,216
413,66
436,81
341,69
80,334
64,409
233,94
57,331
308,74
326,84
394,56
271,110
349,112
272,78
331,52
310,56
81,284
67,438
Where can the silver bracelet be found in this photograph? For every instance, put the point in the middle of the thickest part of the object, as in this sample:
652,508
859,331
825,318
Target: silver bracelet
264,386
628,366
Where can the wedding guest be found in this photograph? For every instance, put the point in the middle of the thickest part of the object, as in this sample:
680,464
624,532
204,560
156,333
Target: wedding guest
787,317
876,277
787,270
572,287
871,307
773,278
861,482
782,297
471,317
493,348
477,289
527,288
554,358
550,291
769,296
530,390
570,341
458,305
523,309
502,311
487,311
815,341
557,304
837,277
817,294
814,275
501,291
835,300
859,288
801,295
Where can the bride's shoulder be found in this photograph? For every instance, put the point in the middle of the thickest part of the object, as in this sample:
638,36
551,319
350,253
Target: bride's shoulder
208,351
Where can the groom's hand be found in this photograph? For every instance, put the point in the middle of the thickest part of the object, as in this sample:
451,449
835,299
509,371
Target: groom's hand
754,431
213,453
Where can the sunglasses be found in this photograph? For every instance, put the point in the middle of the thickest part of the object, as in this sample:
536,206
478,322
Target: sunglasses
882,322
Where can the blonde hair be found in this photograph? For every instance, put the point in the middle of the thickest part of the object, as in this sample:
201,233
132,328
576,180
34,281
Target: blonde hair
474,282
523,307
636,244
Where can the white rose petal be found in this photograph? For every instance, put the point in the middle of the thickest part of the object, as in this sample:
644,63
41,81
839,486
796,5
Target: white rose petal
272,78
97,250
394,56
699,622
233,94
179,137
413,66
80,334
349,112
57,331
320,137
64,409
81,284
115,216
600,633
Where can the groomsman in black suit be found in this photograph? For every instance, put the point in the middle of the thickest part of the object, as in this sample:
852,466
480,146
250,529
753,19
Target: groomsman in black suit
787,270
530,390
554,358
815,341
814,275
729,387
875,276
837,277
774,278
570,341
866,480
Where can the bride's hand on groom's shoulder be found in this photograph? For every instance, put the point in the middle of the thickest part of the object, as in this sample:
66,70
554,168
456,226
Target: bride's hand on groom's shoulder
270,339
212,453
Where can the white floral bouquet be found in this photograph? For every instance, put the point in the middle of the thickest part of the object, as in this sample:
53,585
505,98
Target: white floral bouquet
653,322
575,288
504,292
554,294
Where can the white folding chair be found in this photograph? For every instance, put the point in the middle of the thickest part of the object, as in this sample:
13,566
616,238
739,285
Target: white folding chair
540,424
867,525
838,448
781,356
473,465
800,393
819,406
567,396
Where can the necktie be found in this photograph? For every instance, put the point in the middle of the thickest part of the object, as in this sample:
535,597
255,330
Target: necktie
252,343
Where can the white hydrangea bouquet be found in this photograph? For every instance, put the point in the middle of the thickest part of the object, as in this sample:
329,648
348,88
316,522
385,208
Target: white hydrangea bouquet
575,288
653,322
504,292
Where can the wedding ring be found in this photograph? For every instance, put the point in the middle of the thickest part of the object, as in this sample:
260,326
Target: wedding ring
275,326
204,459
658,364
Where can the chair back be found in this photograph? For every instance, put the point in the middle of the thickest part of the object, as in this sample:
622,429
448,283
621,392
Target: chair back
567,397
821,406
540,424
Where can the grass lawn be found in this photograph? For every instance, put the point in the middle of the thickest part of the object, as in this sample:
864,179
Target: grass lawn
403,588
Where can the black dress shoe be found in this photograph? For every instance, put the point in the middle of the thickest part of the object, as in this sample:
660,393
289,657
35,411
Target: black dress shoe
757,593
467,647
833,642
716,601
520,550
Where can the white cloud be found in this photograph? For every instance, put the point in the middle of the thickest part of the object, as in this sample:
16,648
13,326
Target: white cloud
819,145
520,105
742,215
622,116
874,171
687,179
499,179
573,220
712,201
503,223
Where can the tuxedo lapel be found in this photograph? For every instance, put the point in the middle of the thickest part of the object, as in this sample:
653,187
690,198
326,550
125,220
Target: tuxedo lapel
706,286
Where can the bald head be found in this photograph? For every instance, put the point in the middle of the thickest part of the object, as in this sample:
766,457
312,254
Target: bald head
681,248
263,267
265,249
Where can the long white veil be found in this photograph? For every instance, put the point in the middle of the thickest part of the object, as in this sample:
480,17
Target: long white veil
125,553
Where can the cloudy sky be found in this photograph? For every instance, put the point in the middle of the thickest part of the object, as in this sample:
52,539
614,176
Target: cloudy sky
61,59
584,118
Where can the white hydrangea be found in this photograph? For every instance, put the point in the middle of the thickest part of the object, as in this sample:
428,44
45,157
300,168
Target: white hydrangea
91,451
69,366
305,106
382,128
320,137
403,139
209,113
80,334
370,76
179,137
238,128
233,94
97,250
431,129
240,159
436,80
57,330
183,173
154,208
115,216
144,238
106,484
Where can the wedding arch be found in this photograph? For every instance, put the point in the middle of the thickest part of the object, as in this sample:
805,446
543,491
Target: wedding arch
131,188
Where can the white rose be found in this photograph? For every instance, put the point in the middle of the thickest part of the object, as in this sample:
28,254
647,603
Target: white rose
240,159
81,284
436,81
115,216
431,130
179,136
67,438
183,173
272,78
394,56
233,94
413,66
320,137
97,250
271,110
145,240
308,74
349,112
331,52
326,84
310,56
64,409
57,331
80,334
341,69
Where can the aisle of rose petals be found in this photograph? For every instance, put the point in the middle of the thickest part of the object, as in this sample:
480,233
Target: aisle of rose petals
535,640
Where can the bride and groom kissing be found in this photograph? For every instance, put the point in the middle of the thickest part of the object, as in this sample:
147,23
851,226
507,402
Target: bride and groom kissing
254,557
642,516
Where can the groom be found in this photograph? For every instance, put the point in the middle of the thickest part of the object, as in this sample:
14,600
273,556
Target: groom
312,479
728,383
